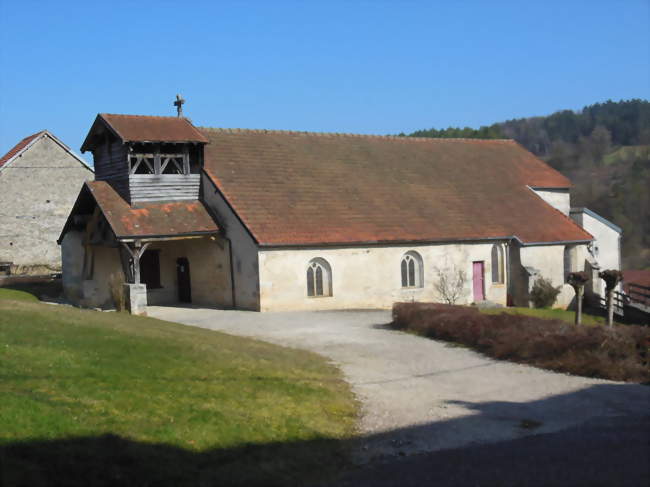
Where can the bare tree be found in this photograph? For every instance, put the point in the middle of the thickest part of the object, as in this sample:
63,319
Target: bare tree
450,283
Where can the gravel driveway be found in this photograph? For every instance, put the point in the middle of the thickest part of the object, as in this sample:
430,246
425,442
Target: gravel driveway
421,395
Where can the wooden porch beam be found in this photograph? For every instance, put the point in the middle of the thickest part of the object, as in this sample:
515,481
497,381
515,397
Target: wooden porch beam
136,253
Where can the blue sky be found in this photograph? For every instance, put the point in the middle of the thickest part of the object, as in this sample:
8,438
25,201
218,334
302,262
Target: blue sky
341,66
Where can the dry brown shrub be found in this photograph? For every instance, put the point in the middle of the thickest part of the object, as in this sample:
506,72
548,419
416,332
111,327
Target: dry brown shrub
115,283
619,353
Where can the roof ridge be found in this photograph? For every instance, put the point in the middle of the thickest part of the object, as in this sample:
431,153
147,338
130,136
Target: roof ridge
20,147
345,134
144,116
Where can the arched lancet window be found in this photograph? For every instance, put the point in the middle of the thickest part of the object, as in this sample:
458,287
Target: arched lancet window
412,270
569,260
319,278
498,266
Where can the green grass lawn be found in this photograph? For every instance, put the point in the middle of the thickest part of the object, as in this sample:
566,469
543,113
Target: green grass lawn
91,398
549,314
16,295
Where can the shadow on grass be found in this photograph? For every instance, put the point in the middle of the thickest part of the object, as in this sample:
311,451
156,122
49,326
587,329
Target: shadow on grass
40,287
613,449
111,460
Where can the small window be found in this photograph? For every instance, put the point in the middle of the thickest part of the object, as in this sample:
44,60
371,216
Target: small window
498,267
150,269
319,278
412,270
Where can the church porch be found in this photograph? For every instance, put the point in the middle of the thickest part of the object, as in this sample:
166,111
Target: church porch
193,270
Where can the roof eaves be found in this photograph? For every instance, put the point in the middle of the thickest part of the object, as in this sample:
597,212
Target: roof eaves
271,246
595,215
164,236
559,242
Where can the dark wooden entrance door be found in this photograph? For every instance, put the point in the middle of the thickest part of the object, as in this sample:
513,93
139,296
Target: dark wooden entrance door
183,274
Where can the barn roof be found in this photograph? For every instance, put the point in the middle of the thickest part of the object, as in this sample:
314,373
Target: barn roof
18,148
141,128
148,220
300,188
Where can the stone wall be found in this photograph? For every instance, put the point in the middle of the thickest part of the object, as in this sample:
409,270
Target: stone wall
209,272
37,191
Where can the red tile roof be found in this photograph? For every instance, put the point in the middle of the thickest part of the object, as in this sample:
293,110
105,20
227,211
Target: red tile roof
297,188
141,128
19,147
151,219
642,278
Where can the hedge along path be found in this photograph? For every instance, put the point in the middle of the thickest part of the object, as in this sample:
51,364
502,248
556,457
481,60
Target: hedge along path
621,353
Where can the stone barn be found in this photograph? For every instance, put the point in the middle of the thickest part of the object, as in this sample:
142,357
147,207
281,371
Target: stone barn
276,220
40,177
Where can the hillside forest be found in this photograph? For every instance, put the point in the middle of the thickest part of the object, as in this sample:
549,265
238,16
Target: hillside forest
604,149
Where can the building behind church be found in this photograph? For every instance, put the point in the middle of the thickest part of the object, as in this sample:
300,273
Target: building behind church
40,178
277,220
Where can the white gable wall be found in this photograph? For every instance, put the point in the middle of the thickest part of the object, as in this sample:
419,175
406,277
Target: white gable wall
367,277
606,249
558,198
607,241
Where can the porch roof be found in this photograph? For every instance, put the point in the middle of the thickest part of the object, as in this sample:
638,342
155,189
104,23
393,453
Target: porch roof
148,220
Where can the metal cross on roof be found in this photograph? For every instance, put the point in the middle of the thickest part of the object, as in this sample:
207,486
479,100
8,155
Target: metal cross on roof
179,105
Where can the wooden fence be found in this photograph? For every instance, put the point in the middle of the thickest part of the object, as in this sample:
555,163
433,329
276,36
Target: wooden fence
638,294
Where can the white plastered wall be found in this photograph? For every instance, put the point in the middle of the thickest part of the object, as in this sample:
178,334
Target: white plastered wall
549,261
560,198
606,248
368,277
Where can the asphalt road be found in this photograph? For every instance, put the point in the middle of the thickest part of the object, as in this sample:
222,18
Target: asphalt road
613,451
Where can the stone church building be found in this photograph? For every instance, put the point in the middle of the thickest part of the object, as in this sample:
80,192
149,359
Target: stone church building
40,178
276,220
